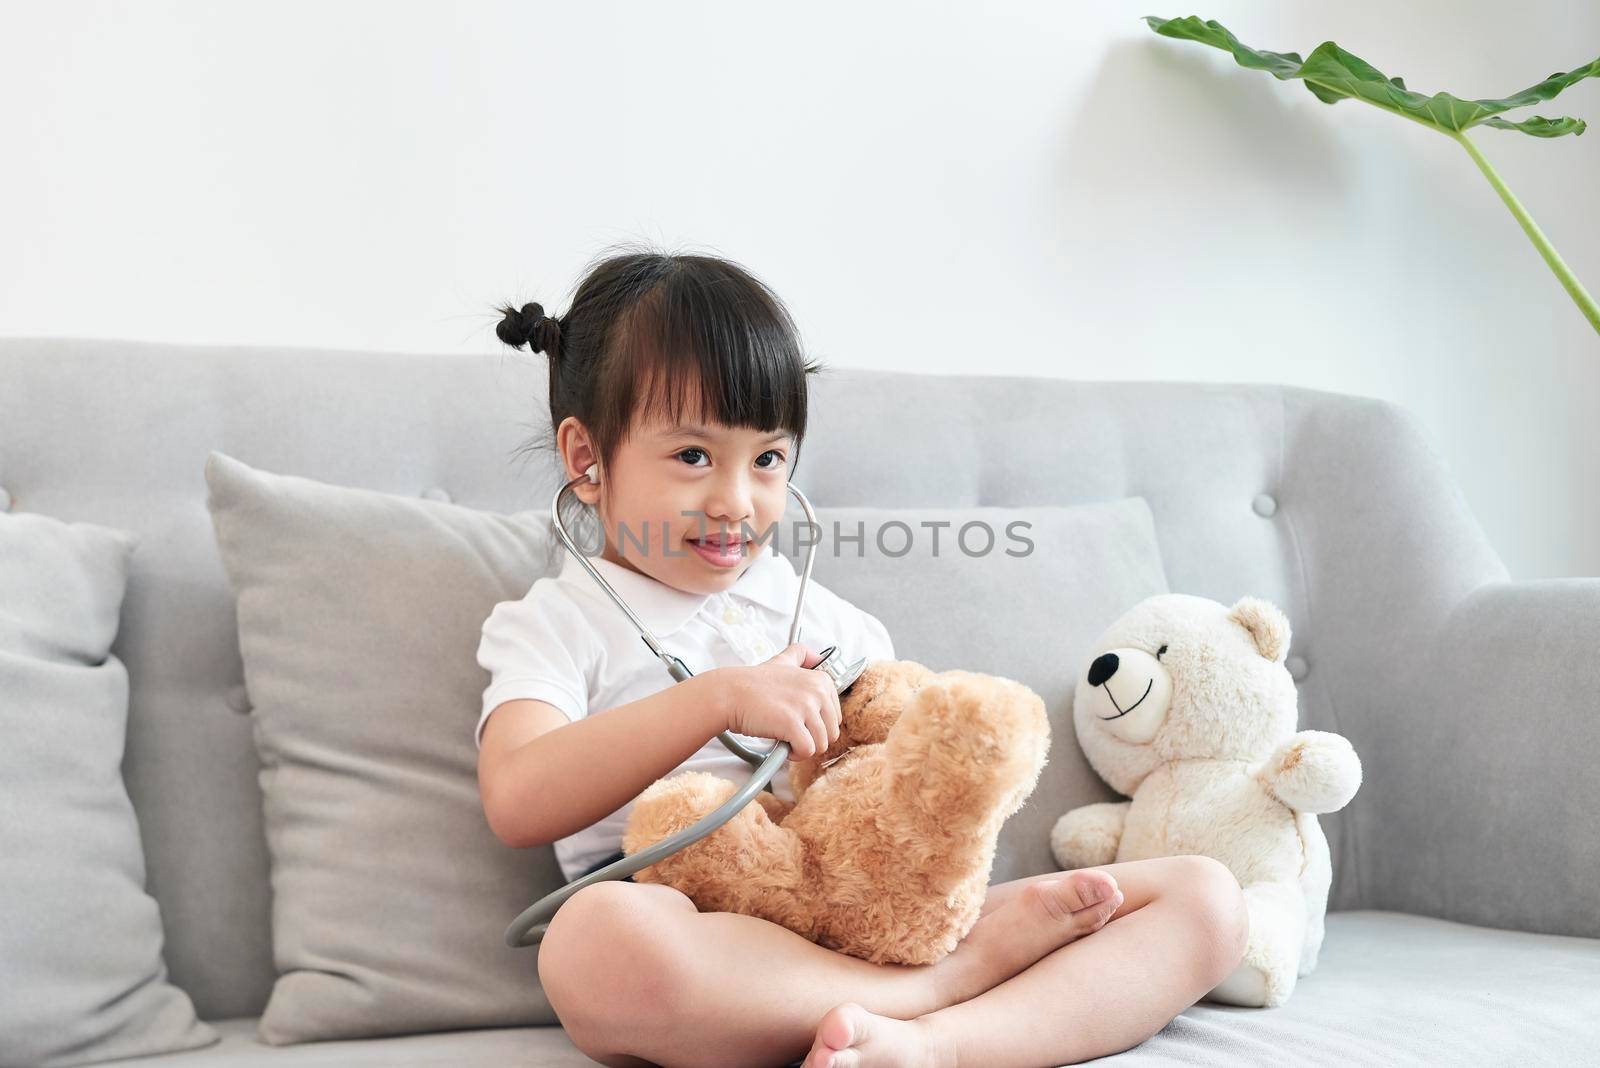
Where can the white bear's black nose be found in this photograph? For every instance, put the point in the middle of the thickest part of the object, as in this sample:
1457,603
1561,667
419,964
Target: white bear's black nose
1104,666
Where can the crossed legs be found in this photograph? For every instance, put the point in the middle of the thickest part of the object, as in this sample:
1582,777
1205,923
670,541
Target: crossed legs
639,977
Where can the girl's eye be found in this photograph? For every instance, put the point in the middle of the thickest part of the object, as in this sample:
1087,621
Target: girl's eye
777,460
688,455
1160,651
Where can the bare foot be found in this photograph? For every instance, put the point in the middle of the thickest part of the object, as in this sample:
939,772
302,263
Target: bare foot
848,1036
1045,916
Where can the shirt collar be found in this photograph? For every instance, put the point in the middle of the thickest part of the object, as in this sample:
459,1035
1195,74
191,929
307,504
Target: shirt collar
770,581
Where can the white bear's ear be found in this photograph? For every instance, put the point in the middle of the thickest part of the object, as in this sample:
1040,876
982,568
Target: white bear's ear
1268,626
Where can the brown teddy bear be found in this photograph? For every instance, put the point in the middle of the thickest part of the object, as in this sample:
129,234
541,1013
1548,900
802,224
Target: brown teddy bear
886,851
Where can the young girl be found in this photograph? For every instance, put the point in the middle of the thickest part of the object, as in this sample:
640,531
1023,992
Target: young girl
682,380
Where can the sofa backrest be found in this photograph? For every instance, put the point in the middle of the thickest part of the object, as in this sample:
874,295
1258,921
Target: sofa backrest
1334,507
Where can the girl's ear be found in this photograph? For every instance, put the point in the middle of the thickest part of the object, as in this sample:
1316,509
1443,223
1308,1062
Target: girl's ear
579,456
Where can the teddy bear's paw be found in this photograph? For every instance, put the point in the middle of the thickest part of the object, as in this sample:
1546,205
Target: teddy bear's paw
995,722
1314,772
1088,836
1246,986
1254,984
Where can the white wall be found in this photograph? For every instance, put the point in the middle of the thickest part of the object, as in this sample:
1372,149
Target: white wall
1031,188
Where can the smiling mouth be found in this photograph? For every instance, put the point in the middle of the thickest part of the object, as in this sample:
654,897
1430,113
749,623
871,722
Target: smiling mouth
723,555
1124,711
726,545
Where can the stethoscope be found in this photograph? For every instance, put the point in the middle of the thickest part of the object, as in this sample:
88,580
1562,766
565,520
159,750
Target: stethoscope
529,927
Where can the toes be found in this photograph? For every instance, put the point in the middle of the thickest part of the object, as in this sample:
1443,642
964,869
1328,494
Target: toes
819,1058
1093,886
840,1026
1077,897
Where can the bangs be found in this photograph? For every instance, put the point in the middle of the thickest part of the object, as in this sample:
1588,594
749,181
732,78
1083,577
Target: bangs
708,349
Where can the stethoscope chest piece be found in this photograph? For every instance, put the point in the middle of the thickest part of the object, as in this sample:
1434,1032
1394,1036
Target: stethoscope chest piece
841,672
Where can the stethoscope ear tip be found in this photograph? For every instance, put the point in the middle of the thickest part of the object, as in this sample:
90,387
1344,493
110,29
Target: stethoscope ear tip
592,472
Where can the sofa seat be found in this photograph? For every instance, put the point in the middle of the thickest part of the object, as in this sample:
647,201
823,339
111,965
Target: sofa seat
500,1047
1390,989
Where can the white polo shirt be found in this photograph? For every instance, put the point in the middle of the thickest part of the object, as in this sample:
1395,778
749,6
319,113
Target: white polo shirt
567,643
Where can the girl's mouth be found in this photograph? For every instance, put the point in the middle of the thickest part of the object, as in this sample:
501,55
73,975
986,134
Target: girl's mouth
719,550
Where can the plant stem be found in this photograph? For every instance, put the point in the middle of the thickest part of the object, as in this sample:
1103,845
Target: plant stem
1569,281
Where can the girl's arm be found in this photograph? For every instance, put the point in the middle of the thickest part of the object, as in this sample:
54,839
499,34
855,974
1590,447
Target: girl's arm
540,789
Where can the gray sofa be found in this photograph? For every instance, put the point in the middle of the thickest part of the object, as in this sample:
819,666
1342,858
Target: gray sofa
1464,922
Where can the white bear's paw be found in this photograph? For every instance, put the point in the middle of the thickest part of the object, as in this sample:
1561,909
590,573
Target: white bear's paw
1087,836
1247,986
1314,772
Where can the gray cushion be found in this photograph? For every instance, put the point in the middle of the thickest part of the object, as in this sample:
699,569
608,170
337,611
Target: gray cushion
82,978
359,615
950,602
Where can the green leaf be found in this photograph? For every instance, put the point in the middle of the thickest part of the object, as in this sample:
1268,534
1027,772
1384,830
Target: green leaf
1539,126
1332,74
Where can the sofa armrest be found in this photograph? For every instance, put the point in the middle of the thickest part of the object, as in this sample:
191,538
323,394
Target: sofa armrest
1500,820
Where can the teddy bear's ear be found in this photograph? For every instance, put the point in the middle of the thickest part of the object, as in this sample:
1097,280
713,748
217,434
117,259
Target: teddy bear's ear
1268,626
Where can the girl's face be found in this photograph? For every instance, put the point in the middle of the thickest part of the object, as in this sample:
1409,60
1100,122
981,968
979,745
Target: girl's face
685,503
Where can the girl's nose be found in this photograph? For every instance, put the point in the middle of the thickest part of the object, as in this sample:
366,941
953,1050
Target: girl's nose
729,501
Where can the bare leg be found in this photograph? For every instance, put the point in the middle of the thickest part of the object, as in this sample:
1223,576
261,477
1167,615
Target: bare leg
638,976
1180,931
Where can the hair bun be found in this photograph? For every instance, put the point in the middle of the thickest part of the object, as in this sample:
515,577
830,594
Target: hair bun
530,326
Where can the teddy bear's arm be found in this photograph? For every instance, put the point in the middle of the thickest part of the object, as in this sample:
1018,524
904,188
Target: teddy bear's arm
1313,772
1089,835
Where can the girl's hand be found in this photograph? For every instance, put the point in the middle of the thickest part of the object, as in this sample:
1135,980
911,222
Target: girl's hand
783,699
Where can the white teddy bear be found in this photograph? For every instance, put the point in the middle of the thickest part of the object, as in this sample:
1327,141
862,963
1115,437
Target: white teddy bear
1187,708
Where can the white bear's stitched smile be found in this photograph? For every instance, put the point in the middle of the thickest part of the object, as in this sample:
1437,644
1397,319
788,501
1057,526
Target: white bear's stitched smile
1124,711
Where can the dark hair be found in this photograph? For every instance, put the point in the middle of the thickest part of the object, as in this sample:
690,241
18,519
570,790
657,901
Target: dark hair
654,331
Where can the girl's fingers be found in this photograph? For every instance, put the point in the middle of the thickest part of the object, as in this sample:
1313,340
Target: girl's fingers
837,709
797,653
831,712
819,730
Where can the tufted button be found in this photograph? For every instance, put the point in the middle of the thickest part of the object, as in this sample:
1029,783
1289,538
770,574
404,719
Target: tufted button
1297,667
5,499
436,493
1264,504
238,700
